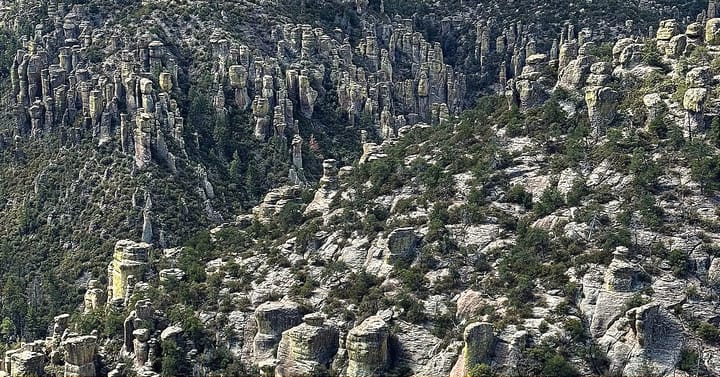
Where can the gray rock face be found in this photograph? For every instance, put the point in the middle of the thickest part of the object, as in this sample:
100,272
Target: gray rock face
402,246
307,349
272,319
575,73
622,280
367,348
647,338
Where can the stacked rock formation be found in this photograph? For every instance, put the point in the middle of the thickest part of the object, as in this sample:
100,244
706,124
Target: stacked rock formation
695,98
95,296
80,354
327,190
129,259
307,349
58,88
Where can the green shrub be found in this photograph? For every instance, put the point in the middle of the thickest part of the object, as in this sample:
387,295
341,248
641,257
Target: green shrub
635,301
550,201
557,366
688,361
518,195
680,262
708,332
481,370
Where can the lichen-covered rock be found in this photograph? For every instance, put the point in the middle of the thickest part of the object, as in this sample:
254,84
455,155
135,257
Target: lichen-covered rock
694,99
367,347
602,103
667,30
712,32
479,347
272,319
307,349
129,259
654,105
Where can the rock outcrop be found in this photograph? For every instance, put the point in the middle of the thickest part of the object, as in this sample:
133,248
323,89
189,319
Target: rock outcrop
272,319
602,104
307,349
367,348
479,347
80,352
25,363
129,259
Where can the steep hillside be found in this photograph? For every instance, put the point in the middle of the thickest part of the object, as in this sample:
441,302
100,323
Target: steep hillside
359,187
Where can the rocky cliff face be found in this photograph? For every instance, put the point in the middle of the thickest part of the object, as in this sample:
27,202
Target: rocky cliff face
359,188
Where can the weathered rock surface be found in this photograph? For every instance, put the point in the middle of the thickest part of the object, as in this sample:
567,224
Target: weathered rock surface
367,347
272,319
307,349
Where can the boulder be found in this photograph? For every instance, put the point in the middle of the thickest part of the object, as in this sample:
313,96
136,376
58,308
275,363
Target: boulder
699,77
694,99
401,246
